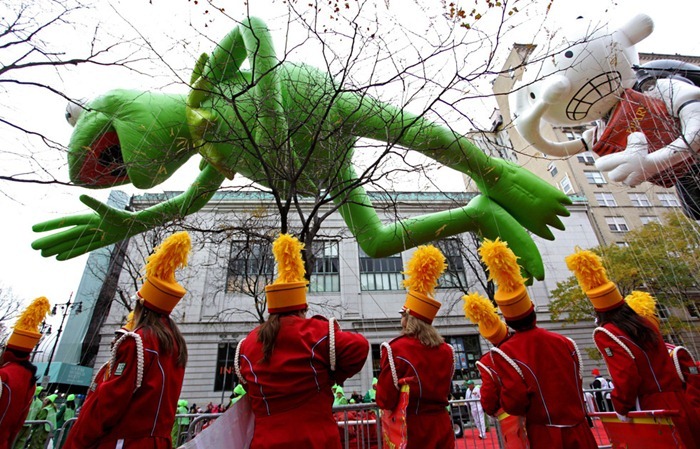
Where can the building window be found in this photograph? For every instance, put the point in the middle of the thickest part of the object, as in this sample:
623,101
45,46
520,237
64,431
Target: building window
639,200
669,200
467,353
662,311
454,276
565,185
617,224
326,274
605,199
595,177
646,219
552,169
380,274
225,376
251,267
586,158
693,310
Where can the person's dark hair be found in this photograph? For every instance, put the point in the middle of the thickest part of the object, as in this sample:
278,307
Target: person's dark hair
639,329
166,331
526,323
267,333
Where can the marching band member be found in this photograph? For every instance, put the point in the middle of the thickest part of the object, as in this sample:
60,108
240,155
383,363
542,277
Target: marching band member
420,357
633,350
17,373
683,362
133,405
540,370
289,363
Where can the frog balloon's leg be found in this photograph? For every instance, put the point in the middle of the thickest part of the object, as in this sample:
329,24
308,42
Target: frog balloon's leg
480,215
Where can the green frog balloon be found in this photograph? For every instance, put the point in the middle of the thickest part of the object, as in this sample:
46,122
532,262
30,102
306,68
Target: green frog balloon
289,127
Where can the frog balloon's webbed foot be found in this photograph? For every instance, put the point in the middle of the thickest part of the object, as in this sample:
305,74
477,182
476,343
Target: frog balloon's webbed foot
531,201
493,221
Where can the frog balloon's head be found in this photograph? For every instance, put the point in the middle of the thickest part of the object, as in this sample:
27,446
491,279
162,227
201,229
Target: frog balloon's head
127,136
582,81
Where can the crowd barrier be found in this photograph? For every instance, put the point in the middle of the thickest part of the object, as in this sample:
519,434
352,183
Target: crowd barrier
359,427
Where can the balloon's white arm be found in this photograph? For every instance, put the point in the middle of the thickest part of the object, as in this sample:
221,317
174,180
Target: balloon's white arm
528,124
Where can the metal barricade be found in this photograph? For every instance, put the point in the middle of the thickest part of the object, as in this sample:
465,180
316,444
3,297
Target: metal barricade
467,416
31,425
596,398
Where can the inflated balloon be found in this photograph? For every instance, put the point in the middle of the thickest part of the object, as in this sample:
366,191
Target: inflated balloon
284,126
648,120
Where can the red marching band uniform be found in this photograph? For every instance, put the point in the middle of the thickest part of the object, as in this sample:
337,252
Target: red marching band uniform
645,380
643,373
688,372
290,392
17,382
118,410
133,399
428,369
429,372
540,371
541,376
291,395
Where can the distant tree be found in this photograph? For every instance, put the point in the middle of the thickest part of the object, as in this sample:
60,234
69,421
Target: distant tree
661,258
9,310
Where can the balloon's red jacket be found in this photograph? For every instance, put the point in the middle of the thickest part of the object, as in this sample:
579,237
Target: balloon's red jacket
119,413
545,388
689,373
490,385
645,377
291,394
429,373
18,387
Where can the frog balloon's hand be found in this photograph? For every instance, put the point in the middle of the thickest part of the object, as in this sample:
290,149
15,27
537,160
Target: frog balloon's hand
531,201
493,221
83,233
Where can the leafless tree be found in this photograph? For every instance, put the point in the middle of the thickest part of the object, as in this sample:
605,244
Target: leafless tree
9,310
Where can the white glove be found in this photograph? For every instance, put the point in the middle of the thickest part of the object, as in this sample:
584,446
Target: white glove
631,166
623,418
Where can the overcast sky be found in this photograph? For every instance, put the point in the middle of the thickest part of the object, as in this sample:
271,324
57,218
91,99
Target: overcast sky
30,275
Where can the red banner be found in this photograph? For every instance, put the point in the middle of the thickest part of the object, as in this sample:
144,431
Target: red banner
394,428
513,431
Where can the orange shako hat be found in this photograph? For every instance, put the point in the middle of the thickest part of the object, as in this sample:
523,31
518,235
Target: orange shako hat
422,273
288,292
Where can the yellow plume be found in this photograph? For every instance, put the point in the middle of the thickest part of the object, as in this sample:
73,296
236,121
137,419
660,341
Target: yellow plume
588,268
33,315
290,266
167,257
129,325
642,303
479,310
502,264
424,269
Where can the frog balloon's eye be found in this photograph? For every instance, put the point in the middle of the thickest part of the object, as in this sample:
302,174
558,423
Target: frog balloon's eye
73,111
569,54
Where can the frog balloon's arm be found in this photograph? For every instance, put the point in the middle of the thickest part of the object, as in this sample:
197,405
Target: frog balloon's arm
481,215
107,225
532,202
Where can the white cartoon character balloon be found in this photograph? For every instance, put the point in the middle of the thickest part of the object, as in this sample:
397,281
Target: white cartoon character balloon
645,131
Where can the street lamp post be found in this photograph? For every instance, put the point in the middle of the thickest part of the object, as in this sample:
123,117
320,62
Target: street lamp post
65,311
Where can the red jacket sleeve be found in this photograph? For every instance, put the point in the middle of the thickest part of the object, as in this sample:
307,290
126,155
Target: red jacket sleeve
387,395
351,351
490,389
623,370
515,394
110,401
